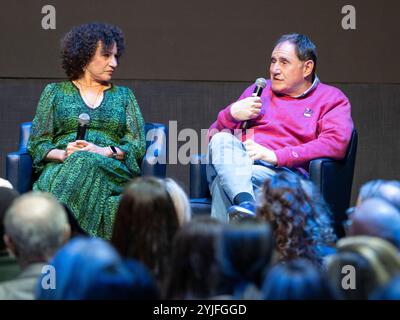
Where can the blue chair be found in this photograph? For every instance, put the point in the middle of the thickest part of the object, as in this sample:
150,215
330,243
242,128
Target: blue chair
19,164
333,179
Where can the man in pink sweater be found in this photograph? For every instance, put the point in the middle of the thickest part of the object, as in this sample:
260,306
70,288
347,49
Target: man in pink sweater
296,119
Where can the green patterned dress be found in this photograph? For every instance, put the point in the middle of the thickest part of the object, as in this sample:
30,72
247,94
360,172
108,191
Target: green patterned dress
88,183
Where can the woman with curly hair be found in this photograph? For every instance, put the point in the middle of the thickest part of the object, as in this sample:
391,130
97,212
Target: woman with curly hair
299,217
88,174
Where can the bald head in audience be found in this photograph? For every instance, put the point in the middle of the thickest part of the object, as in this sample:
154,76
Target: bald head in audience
388,190
376,217
36,226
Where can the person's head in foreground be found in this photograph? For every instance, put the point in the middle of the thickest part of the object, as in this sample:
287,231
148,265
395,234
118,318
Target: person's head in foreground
298,215
91,269
388,190
298,279
146,223
362,264
36,226
377,218
193,271
245,250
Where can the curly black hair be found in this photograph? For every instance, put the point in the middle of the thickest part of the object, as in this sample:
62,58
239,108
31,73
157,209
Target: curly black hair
79,45
300,218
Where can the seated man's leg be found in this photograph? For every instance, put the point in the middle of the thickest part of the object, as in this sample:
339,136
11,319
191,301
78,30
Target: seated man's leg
228,160
263,172
260,174
220,201
231,174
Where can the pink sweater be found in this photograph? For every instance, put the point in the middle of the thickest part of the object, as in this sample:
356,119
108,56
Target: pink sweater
316,125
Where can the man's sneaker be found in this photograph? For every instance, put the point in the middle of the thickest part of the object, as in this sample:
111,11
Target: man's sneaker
244,210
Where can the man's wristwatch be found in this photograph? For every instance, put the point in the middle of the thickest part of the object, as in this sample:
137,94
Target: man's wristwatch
114,152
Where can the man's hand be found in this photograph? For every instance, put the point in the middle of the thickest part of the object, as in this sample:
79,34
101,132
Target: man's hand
245,109
258,152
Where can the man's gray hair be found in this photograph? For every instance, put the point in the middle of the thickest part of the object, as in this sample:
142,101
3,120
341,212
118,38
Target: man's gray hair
36,222
305,48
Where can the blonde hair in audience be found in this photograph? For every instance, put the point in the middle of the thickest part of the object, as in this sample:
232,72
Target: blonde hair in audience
180,200
381,255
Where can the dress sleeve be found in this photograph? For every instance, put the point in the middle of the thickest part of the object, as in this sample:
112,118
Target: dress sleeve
42,132
133,143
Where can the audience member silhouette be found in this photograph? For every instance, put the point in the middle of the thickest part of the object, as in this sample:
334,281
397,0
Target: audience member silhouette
244,251
36,226
91,269
180,200
388,190
299,217
378,264
390,291
9,268
146,223
378,218
194,272
298,279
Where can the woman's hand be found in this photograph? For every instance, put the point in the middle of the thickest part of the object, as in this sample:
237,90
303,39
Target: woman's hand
73,146
57,155
91,147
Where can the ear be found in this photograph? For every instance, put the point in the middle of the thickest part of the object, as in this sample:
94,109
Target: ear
10,244
358,202
308,68
67,233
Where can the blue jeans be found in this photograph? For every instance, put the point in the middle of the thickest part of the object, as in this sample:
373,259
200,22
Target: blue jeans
230,171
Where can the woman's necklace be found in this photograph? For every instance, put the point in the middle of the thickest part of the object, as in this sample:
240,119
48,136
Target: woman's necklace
86,85
92,104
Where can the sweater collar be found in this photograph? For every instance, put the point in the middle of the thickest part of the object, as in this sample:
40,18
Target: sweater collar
313,86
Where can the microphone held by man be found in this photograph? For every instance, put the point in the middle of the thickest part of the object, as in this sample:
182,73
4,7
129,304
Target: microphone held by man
250,107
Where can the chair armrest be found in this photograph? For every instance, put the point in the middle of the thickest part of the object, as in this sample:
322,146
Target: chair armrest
19,170
198,177
152,168
24,133
334,180
317,169
154,162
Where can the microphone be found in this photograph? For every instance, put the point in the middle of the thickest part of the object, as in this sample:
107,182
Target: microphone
261,83
83,120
